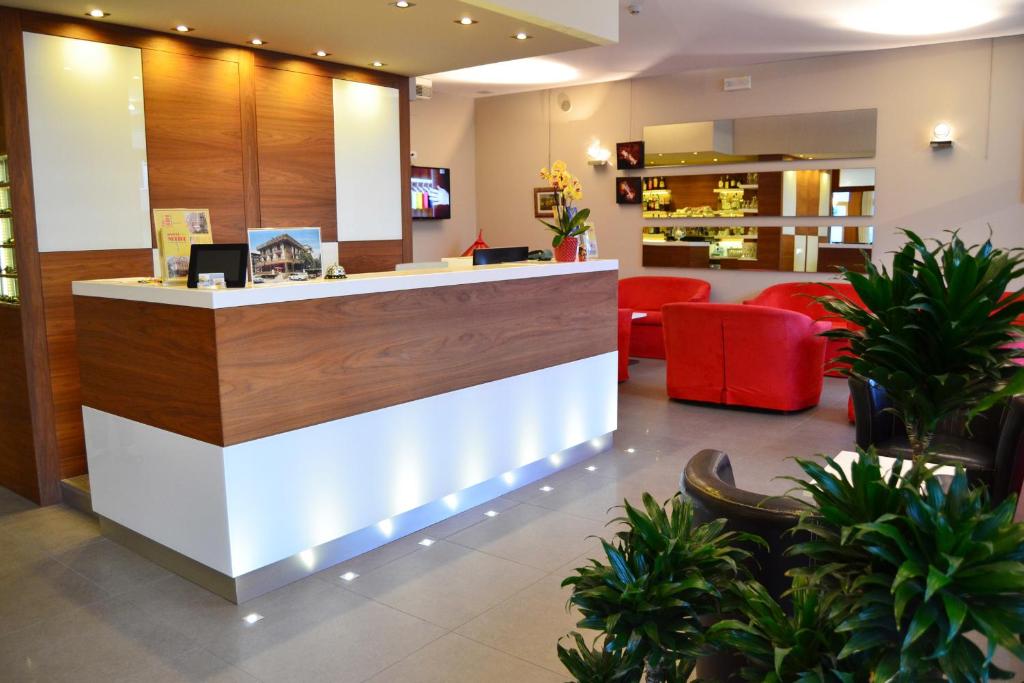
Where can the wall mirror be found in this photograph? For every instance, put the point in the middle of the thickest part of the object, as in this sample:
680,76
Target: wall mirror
846,134
814,192
800,249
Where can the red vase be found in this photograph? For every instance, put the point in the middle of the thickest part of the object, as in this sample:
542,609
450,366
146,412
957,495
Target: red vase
568,250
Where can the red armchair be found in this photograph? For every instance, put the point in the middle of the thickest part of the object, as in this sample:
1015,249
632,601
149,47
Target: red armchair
752,356
625,327
800,297
647,294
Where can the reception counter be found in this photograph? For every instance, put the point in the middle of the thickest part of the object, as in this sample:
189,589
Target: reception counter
247,438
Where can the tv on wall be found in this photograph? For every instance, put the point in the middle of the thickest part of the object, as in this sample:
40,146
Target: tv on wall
431,193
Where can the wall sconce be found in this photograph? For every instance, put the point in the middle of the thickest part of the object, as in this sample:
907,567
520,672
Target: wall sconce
942,136
598,155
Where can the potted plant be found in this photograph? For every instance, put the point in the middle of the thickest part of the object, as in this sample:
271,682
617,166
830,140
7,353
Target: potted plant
937,333
651,601
570,222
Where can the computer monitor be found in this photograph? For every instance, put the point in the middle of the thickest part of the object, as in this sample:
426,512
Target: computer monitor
486,257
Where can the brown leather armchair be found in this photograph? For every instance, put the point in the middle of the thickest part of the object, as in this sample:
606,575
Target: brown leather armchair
992,451
708,482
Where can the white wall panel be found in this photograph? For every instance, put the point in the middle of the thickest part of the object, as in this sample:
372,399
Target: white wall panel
88,133
367,162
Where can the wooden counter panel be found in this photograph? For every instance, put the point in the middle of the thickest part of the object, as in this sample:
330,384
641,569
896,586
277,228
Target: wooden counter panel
152,363
59,268
371,256
291,365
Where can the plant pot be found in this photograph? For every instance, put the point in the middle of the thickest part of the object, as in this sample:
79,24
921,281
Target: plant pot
568,250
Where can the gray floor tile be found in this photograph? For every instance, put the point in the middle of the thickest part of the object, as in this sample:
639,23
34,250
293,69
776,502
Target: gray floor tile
52,529
40,590
106,641
110,565
446,584
453,659
532,535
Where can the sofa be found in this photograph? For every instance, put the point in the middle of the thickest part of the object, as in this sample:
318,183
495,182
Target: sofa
647,294
802,298
739,355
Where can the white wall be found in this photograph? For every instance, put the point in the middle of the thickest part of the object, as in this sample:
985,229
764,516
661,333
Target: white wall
976,185
442,134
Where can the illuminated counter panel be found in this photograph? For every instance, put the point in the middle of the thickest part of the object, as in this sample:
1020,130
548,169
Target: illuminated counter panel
248,446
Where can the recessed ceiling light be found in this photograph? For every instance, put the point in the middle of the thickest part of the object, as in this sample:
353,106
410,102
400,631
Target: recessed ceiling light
491,513
522,36
257,42
466,21
427,542
252,618
377,64
182,28
97,13
349,576
404,4
321,53
917,17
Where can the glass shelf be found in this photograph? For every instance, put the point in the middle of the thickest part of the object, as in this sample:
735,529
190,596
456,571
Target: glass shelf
9,292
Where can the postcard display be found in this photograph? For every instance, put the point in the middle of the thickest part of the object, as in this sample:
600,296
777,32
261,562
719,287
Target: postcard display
176,231
8,263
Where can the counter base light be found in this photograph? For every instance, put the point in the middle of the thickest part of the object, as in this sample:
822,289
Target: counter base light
298,566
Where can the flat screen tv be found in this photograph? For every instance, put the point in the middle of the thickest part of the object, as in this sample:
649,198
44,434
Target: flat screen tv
431,193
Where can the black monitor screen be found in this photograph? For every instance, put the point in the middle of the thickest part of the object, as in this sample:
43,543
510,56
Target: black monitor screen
431,193
230,259
486,257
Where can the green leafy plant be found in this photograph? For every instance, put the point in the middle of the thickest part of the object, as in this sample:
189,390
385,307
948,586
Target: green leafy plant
936,332
662,581
589,664
911,570
780,647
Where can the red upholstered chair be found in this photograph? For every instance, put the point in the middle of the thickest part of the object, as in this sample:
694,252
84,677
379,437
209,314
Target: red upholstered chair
625,327
647,294
800,297
752,356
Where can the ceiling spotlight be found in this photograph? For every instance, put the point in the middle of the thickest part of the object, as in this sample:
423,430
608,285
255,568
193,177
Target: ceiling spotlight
403,4
97,13
257,42
181,28
321,53
377,64
466,21
522,36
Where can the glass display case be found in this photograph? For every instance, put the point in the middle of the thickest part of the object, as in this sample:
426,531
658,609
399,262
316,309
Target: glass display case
8,261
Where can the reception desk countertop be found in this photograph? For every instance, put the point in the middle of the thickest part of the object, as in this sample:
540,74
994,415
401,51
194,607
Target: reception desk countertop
131,289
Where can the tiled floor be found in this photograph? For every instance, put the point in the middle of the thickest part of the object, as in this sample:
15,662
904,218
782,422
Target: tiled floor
483,603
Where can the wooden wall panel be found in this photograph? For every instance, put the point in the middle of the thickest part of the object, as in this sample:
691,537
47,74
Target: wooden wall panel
831,259
194,138
295,137
33,319
769,193
655,256
17,456
59,269
291,365
808,193
151,363
370,256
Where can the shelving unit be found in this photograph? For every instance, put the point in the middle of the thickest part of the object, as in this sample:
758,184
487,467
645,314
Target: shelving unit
9,292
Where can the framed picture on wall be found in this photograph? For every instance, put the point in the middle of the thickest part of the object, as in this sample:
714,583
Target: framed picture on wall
629,155
628,191
544,200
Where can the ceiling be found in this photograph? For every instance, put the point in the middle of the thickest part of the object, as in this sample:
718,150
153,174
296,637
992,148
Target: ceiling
678,35
413,41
